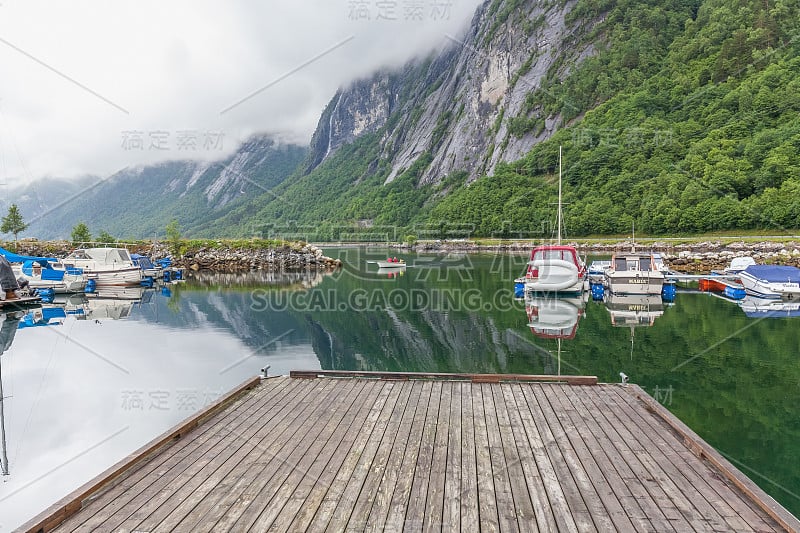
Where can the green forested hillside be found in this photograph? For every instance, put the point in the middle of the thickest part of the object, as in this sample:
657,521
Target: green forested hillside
686,119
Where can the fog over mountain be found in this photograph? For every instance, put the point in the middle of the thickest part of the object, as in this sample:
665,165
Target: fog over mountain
91,87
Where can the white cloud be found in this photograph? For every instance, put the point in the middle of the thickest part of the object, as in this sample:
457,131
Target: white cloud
173,67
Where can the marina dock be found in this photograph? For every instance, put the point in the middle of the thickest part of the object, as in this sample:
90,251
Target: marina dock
373,451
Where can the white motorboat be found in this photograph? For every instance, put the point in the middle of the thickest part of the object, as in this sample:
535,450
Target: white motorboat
771,281
634,273
107,266
61,281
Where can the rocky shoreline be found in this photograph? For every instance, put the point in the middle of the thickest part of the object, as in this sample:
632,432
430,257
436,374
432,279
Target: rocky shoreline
698,257
218,258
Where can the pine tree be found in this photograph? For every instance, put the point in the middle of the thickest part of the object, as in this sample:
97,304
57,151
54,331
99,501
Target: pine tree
13,223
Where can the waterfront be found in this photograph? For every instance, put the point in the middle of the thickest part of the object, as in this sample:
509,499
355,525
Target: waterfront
83,394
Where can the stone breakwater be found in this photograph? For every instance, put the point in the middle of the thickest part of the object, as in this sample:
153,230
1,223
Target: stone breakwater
214,258
244,260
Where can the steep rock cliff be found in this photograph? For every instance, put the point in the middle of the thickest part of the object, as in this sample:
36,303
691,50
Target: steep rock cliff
456,104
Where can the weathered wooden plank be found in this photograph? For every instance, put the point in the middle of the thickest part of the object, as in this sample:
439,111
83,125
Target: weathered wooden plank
325,495
376,519
551,490
269,458
451,514
612,494
377,472
475,378
488,516
176,503
564,480
415,512
469,466
623,466
735,508
542,510
434,504
329,458
337,505
395,520
508,503
695,510
291,468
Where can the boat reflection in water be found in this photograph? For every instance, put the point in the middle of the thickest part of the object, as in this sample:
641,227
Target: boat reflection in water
634,310
114,303
755,307
555,317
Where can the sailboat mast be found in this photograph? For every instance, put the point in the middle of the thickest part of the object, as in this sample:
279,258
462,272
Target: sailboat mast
558,238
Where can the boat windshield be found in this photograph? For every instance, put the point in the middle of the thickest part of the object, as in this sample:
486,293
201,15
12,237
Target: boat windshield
644,264
549,254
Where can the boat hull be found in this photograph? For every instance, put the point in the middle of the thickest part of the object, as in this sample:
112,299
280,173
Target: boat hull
643,283
769,290
122,277
389,264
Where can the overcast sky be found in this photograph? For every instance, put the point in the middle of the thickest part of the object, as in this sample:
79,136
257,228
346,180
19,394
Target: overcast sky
90,87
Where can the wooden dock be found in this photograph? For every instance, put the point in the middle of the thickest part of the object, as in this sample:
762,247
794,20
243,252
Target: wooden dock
338,451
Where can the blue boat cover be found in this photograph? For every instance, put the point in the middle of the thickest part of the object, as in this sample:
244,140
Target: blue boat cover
15,258
775,273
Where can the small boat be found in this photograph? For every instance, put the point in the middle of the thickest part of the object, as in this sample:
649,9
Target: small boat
44,276
555,269
634,273
390,263
107,266
149,269
40,273
772,281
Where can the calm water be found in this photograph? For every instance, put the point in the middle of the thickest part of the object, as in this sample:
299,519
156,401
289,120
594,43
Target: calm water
112,374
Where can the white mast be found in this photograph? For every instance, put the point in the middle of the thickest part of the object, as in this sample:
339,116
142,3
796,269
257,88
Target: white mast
558,238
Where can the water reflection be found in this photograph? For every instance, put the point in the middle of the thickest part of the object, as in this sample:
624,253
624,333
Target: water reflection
555,317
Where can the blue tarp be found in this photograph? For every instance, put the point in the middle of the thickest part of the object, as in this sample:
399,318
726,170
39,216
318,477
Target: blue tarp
775,273
15,258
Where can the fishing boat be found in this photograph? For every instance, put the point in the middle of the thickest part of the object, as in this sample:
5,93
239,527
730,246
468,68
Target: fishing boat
773,282
107,266
555,268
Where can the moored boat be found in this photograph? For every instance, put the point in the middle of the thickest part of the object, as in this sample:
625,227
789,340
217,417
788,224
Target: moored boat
772,281
40,273
555,269
107,266
634,273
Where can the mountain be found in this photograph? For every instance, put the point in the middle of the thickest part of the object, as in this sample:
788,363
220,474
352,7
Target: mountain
139,202
678,116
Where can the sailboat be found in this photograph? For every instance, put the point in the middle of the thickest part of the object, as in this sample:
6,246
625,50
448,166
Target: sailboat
555,268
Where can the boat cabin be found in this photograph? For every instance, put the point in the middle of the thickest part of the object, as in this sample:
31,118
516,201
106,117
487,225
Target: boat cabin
556,253
634,263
